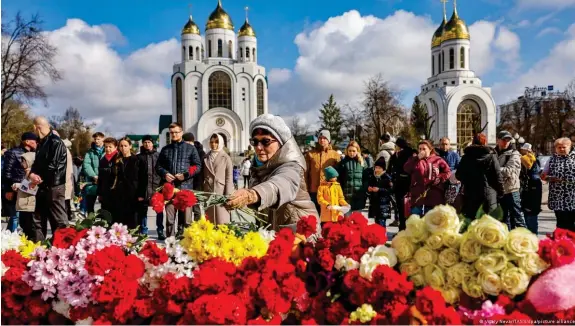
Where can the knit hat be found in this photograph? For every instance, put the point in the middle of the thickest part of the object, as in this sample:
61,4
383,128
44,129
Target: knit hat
330,173
29,136
326,134
527,147
381,163
147,138
274,124
188,136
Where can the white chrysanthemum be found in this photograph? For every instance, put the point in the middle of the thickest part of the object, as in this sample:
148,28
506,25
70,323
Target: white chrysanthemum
3,269
369,264
61,307
9,241
267,235
345,263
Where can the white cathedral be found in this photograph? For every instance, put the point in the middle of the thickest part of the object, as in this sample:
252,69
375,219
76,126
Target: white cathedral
453,95
219,86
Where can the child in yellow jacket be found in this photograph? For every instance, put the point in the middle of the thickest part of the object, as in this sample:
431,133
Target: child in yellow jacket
330,197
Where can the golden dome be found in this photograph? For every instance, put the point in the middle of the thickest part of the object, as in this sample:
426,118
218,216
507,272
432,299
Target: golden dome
219,18
455,29
247,30
437,36
191,27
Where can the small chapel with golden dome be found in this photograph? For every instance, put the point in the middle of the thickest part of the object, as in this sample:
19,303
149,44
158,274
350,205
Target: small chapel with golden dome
454,95
218,87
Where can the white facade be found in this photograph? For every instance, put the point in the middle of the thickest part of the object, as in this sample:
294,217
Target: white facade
454,95
221,91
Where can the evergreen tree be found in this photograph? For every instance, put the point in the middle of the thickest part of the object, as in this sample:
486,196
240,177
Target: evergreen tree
421,121
331,119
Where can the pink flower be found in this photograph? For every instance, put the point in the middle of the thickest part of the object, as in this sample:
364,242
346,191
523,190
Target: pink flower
119,235
96,234
488,309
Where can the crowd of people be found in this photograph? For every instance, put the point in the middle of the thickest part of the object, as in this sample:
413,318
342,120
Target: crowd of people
40,178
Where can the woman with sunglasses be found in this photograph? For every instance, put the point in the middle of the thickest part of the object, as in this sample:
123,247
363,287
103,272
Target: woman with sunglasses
218,178
277,175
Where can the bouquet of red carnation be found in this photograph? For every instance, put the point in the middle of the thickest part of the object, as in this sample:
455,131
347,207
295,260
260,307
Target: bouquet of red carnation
307,226
192,170
184,199
558,249
64,238
157,202
168,190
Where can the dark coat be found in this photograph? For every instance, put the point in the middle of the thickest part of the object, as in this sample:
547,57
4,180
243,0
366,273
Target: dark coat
351,180
177,158
149,180
12,171
481,178
401,179
125,190
379,202
51,161
531,189
424,191
106,177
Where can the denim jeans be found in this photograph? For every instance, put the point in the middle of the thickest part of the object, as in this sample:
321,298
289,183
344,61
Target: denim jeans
532,223
12,223
512,213
420,210
144,222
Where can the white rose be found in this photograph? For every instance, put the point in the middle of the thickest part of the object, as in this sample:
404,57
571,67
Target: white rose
384,251
448,257
344,263
425,256
368,265
416,229
403,246
490,283
442,218
532,264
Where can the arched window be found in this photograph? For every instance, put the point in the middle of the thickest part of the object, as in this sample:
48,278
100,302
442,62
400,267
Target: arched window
254,54
260,97
198,53
432,65
241,53
442,60
230,53
247,54
179,102
220,48
220,90
209,48
191,52
468,117
462,57
451,58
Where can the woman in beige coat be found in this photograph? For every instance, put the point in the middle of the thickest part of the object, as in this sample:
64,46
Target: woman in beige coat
218,178
25,201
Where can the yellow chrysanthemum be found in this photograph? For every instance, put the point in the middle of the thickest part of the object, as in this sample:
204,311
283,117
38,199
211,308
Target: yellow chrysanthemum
27,247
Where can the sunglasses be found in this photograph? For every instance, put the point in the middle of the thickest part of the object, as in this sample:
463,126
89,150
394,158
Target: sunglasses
265,142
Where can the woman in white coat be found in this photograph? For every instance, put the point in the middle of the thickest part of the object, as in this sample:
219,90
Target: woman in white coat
245,172
218,177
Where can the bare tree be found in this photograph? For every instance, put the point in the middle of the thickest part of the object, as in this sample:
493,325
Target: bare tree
72,126
355,122
26,56
299,130
21,122
382,111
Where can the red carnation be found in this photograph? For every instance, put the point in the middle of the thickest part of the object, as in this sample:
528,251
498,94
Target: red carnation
155,254
429,301
559,234
192,170
134,267
307,226
373,235
185,199
335,313
168,191
157,202
79,236
326,259
13,259
356,220
64,238
562,252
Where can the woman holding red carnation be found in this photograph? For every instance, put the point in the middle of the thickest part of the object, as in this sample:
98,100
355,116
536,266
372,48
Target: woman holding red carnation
218,178
277,174
106,174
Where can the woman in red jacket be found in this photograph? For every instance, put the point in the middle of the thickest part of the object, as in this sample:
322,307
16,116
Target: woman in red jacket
429,172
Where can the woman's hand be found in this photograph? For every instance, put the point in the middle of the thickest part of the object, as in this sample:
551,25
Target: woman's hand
241,198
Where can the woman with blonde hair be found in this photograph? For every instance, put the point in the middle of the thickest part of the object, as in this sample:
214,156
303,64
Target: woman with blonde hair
350,171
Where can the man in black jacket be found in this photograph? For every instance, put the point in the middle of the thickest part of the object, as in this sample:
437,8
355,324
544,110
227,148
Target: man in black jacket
148,182
49,172
13,172
401,179
178,163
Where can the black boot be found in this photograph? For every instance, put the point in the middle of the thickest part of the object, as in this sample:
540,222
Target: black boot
161,235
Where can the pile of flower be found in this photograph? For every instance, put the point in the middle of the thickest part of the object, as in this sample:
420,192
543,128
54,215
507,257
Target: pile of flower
204,240
15,241
486,260
181,199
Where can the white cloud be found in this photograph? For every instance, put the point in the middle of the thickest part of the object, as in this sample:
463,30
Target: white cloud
549,30
339,55
120,94
279,75
547,4
557,69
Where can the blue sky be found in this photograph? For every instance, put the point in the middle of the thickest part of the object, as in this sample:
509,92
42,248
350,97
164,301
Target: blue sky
278,23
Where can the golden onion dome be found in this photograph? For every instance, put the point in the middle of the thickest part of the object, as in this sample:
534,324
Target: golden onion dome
455,29
247,30
219,18
191,27
437,36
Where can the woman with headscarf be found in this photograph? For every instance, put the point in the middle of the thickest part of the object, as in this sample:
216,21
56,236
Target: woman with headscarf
278,175
559,171
218,178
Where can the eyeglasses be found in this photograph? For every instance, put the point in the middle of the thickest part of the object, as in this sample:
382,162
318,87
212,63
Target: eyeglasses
175,132
265,142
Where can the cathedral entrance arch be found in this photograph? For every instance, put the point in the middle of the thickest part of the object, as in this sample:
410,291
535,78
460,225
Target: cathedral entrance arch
223,122
225,139
468,122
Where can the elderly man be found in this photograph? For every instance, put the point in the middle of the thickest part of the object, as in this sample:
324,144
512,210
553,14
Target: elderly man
49,172
445,152
510,165
13,172
317,160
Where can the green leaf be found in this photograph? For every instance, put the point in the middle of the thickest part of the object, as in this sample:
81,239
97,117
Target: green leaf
101,223
335,297
480,212
464,224
86,223
497,213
